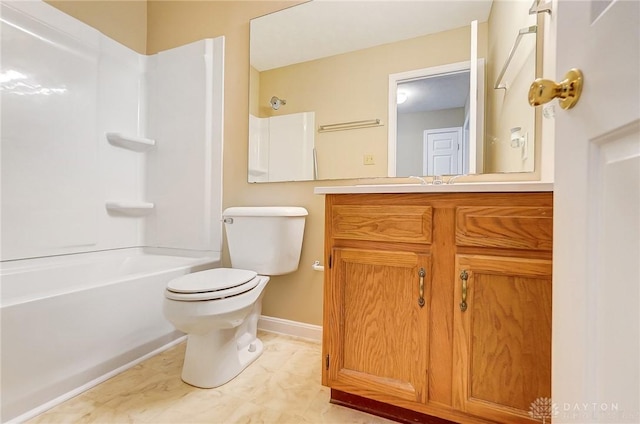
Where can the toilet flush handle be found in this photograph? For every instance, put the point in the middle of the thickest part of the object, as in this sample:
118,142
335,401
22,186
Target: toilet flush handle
228,220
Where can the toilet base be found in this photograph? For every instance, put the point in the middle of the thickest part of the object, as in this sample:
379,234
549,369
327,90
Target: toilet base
214,359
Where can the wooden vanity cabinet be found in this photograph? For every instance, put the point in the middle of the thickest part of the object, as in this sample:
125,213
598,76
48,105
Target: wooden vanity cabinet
484,362
379,327
502,337
381,334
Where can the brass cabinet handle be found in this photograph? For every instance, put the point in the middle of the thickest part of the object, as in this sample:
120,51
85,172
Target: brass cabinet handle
568,91
421,274
464,276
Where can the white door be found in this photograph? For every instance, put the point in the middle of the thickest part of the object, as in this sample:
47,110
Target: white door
596,296
441,150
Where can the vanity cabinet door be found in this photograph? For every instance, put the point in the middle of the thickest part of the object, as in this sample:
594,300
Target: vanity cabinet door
502,337
377,335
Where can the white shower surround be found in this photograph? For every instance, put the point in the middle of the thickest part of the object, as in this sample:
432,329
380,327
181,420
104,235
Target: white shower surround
64,86
75,85
72,321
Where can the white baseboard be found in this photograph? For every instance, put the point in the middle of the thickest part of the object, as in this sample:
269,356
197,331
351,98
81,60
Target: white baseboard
290,328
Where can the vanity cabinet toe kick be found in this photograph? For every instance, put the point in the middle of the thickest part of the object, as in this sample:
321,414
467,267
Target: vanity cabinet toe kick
438,305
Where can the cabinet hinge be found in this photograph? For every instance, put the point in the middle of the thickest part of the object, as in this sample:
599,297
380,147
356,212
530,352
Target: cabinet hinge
330,261
326,362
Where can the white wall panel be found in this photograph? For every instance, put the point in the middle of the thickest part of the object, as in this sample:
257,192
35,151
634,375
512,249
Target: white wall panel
64,86
291,142
184,169
121,98
49,149
281,148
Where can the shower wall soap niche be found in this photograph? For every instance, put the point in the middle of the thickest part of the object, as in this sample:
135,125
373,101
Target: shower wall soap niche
129,207
137,144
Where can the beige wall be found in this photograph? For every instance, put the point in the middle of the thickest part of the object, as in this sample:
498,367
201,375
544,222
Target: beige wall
509,108
297,296
254,92
124,21
168,24
354,87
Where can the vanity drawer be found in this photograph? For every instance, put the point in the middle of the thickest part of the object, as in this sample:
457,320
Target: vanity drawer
406,224
517,227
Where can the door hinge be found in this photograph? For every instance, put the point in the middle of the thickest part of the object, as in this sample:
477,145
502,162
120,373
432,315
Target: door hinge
326,362
330,261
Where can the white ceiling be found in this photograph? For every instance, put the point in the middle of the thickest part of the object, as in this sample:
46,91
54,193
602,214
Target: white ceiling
322,28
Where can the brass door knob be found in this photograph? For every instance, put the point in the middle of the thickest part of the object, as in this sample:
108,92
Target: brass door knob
568,91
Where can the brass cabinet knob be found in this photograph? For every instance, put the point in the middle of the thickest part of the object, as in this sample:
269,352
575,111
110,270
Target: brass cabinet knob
421,274
568,91
464,276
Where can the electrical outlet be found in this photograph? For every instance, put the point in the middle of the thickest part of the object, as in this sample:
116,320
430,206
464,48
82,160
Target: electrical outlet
369,160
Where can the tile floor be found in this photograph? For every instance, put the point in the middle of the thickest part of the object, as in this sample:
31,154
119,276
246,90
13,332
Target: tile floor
282,386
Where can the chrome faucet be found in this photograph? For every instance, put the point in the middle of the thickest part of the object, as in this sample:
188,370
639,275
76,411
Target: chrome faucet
453,177
422,181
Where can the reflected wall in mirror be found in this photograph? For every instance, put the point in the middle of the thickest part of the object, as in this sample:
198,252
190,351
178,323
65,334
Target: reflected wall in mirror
333,59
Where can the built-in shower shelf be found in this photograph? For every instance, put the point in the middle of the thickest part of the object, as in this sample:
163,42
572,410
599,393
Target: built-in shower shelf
258,172
128,207
137,144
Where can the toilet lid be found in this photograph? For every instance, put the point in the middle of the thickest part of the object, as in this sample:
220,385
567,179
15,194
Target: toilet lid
212,284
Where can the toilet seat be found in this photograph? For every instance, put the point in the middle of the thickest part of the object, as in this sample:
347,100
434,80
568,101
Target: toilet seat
212,284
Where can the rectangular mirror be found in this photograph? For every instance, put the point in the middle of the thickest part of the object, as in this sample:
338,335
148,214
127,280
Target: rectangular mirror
334,70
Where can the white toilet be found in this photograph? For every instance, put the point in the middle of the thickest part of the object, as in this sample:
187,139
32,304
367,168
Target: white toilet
219,308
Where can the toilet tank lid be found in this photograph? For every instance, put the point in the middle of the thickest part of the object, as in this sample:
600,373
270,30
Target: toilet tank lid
265,211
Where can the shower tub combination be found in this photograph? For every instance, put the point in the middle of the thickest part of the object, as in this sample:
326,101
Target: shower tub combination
69,321
72,321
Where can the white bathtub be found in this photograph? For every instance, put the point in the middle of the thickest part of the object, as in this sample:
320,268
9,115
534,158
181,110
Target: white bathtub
69,322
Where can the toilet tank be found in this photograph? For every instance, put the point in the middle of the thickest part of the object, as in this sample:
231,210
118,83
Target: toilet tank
265,239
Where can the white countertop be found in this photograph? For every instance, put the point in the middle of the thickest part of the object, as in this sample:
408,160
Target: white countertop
462,187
